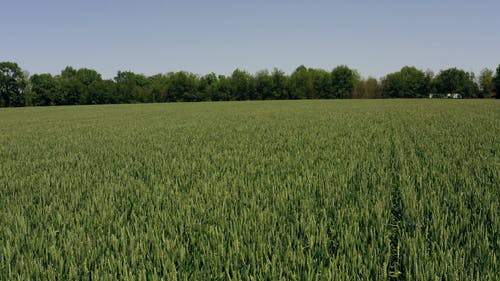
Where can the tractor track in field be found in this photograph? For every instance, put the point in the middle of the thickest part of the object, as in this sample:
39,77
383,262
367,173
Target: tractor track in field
396,268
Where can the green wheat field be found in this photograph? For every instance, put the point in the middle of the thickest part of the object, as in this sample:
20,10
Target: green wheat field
274,190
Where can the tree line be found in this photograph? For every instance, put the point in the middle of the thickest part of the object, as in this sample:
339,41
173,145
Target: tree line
86,86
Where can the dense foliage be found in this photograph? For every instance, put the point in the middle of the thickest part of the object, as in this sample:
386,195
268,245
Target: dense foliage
275,190
86,86
454,80
12,85
496,82
407,83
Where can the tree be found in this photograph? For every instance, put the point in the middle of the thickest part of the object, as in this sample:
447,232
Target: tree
280,81
409,82
264,85
454,80
102,92
91,82
487,87
45,89
208,87
76,85
13,84
367,89
71,88
300,84
182,86
223,92
131,87
86,86
322,84
343,81
242,85
158,88
496,82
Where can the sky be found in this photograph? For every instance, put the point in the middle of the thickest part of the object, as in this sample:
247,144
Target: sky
150,37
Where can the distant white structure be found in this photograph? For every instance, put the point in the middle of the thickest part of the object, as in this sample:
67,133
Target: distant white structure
454,96
447,96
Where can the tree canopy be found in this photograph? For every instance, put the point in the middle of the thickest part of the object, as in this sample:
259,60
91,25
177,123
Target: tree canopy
12,85
343,82
86,86
47,89
409,82
486,85
496,82
454,80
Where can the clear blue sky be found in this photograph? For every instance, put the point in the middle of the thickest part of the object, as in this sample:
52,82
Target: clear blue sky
149,37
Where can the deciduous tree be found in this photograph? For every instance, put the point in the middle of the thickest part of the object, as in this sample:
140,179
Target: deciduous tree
496,82
409,82
182,86
130,87
280,81
12,85
300,84
486,84
242,86
454,80
343,81
45,89
367,89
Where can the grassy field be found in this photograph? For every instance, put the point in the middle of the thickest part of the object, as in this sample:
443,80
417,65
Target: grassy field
282,190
